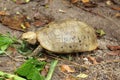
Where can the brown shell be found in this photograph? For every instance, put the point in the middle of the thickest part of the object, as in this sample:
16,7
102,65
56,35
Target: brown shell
67,36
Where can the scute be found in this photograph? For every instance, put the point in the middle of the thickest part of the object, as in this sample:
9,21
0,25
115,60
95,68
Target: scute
67,36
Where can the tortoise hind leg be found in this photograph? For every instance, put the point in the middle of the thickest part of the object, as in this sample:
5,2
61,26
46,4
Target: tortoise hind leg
36,51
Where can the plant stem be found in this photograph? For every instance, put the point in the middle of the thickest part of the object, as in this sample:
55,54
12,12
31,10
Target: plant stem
10,76
51,70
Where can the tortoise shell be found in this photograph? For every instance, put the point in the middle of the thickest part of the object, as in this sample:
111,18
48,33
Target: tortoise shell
67,36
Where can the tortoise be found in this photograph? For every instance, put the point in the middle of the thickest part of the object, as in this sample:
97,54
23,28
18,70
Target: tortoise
65,36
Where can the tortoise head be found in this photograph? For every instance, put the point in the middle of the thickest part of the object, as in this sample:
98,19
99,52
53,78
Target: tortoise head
30,37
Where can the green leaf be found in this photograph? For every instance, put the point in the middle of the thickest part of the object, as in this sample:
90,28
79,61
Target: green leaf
81,75
100,32
30,69
1,52
24,48
35,75
4,47
14,0
5,41
27,1
24,70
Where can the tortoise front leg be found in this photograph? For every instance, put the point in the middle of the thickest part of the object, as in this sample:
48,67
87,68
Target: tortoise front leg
36,51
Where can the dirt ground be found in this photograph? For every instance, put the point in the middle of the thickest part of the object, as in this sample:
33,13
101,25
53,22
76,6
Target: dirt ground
107,69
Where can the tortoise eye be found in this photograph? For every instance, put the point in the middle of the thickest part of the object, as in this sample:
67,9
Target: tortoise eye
61,46
25,39
70,46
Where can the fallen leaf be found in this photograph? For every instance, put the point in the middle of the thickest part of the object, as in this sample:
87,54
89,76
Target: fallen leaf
99,59
21,1
92,59
11,50
45,70
85,1
112,5
23,26
109,2
82,75
117,15
113,47
3,13
16,22
114,53
86,61
41,19
62,11
38,23
115,8
69,77
89,4
66,68
74,1
27,24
